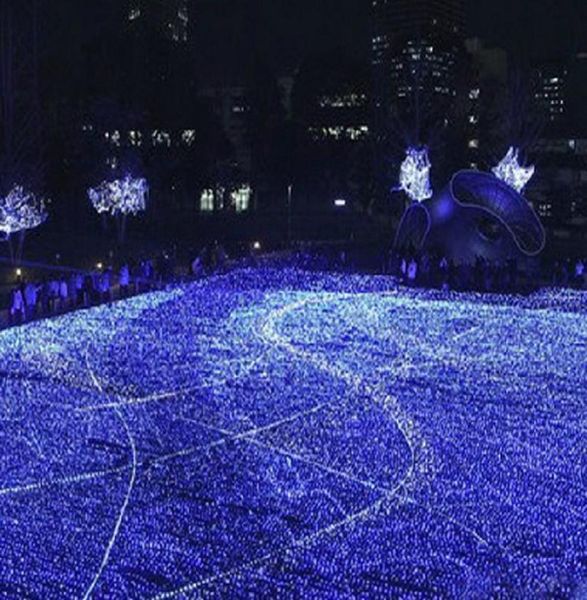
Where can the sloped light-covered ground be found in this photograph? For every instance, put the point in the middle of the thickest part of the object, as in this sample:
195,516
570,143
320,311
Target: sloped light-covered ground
280,434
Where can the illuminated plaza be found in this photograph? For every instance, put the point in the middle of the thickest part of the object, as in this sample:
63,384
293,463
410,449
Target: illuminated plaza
279,433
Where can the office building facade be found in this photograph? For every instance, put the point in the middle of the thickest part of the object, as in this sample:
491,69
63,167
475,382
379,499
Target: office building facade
416,47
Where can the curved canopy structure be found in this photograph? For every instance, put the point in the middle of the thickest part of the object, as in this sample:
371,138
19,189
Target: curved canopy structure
477,214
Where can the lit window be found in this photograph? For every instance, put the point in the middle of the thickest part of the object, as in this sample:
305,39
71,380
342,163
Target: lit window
207,200
241,198
188,137
219,197
160,138
135,138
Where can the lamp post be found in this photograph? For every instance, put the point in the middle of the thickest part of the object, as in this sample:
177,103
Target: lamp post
289,194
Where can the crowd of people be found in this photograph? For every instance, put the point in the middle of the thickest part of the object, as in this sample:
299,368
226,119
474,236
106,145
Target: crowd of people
76,289
433,270
428,270
211,259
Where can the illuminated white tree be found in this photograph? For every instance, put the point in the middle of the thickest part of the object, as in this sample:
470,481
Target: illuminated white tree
414,177
512,171
20,211
120,198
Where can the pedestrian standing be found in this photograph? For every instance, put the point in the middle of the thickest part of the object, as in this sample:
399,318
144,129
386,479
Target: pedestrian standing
31,299
63,295
17,306
124,280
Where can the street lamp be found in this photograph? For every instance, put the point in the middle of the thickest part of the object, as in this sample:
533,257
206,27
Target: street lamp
289,195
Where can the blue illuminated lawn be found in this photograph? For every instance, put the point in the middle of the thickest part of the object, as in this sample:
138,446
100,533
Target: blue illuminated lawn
271,434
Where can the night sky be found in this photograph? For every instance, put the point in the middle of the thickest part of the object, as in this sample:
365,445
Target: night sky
534,28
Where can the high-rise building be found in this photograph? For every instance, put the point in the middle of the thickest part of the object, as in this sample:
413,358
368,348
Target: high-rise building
159,57
561,92
417,49
560,190
551,90
397,20
167,17
416,46
487,75
20,110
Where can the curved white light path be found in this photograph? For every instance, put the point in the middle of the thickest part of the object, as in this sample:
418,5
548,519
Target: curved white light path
282,341
47,483
421,455
240,570
160,396
130,487
228,437
420,463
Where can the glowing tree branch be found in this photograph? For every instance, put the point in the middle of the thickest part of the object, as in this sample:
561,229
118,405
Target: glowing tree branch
120,198
20,211
414,178
512,171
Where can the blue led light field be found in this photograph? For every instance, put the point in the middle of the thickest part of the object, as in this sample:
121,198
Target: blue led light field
281,434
